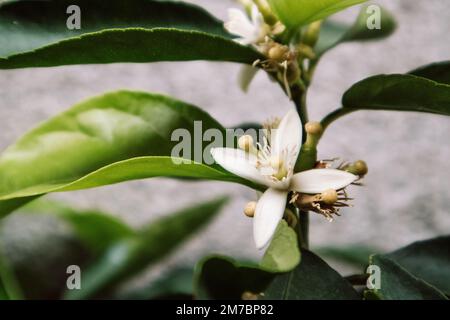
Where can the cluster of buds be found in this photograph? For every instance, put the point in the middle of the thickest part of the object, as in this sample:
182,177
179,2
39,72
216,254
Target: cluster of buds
281,62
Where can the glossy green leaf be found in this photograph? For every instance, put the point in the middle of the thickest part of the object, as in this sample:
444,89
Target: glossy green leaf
314,279
9,286
108,139
439,72
35,34
334,33
219,277
401,92
356,255
398,284
428,260
283,253
96,230
295,13
155,241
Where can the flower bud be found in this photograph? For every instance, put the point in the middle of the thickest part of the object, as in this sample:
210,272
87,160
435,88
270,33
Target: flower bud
306,51
313,128
247,295
311,34
329,196
249,209
293,72
358,168
245,142
278,52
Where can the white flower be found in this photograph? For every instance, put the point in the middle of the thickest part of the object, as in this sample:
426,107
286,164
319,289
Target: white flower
272,165
249,31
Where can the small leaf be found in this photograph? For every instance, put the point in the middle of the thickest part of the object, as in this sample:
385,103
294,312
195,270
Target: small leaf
35,34
439,72
354,255
428,260
334,33
96,230
112,138
132,255
219,277
398,284
401,92
312,279
283,253
295,13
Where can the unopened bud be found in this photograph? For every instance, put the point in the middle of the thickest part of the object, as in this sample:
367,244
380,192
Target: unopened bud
278,52
249,209
293,72
245,142
358,168
314,128
306,51
311,34
247,295
329,196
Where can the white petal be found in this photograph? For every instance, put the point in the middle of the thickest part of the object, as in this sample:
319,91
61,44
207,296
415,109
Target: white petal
257,17
318,180
238,162
239,24
288,135
268,213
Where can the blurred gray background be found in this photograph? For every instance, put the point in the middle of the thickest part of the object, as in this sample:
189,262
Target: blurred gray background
405,197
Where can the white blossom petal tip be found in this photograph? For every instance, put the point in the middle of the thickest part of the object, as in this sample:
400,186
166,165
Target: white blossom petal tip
268,213
239,163
318,180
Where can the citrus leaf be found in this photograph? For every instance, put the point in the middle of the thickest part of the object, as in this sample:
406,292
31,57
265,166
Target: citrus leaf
130,256
219,277
334,33
283,253
35,34
112,138
312,279
295,13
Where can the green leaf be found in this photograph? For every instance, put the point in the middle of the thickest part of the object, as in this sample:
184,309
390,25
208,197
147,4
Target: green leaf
8,206
439,72
35,34
283,253
355,255
218,277
312,279
95,229
178,282
334,33
398,284
155,241
401,92
9,286
428,260
295,13
112,138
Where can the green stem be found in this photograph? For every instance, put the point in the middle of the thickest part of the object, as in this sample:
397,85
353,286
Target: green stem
303,229
299,98
336,114
8,280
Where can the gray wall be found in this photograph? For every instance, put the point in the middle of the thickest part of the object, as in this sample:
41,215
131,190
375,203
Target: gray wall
406,195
